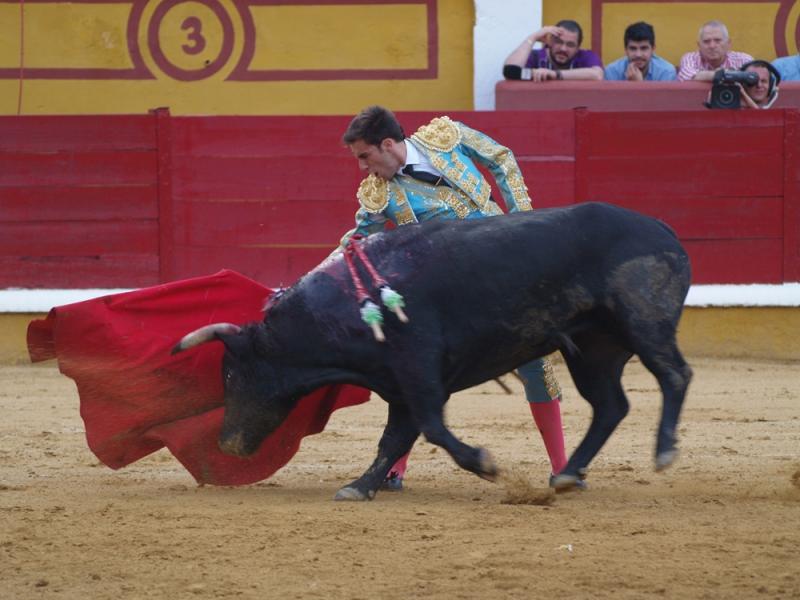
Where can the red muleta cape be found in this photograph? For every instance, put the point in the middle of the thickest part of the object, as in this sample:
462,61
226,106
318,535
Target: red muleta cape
136,398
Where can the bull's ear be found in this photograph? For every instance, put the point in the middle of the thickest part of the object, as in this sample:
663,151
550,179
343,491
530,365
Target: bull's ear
216,331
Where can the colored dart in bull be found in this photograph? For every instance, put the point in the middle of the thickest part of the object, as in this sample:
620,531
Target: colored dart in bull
371,315
394,302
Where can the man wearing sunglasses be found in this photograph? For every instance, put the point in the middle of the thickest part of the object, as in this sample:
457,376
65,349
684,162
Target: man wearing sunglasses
560,57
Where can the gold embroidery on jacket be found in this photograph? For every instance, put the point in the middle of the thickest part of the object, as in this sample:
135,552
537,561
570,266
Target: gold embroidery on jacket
504,158
456,202
405,214
373,194
519,191
491,209
550,381
483,145
441,134
456,172
468,181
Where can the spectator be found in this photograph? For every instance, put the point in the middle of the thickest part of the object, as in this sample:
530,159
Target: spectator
561,56
788,67
763,93
640,63
713,53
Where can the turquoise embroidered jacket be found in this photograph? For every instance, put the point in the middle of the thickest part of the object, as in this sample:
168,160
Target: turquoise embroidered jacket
451,147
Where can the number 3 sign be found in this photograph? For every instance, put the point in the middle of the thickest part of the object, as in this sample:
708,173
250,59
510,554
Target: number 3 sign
190,39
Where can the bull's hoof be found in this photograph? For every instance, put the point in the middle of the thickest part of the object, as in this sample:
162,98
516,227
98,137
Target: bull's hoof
488,470
566,483
351,494
665,459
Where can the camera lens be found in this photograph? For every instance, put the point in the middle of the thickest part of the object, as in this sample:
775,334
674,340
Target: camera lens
726,96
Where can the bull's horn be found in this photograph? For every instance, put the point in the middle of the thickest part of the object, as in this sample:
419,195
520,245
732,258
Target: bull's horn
204,334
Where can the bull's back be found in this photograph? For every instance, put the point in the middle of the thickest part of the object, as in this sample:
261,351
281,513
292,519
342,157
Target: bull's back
498,264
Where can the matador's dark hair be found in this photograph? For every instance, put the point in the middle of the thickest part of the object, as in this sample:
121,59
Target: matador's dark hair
373,125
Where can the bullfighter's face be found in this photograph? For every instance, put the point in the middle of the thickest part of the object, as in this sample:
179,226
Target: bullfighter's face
383,160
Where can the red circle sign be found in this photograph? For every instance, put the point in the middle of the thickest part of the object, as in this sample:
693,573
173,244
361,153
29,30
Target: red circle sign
195,42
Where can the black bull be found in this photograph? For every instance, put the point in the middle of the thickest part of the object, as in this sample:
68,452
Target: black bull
597,282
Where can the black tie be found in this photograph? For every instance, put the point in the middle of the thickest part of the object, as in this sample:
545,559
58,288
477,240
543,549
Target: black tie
424,176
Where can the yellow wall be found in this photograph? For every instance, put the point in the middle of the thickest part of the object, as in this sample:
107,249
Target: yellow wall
83,38
765,333
751,24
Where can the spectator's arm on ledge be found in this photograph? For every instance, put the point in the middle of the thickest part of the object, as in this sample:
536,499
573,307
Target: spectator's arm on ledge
704,76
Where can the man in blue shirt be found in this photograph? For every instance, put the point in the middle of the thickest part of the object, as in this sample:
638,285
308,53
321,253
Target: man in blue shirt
788,67
640,63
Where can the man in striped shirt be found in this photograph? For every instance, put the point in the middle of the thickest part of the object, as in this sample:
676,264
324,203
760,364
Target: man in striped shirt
713,53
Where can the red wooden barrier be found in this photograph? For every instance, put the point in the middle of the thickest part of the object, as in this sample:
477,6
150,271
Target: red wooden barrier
272,196
127,201
78,202
716,178
619,95
791,192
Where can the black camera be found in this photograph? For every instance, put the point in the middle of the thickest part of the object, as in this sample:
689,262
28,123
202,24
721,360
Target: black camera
724,91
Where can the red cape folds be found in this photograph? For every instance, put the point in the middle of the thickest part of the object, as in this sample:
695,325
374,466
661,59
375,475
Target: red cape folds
136,398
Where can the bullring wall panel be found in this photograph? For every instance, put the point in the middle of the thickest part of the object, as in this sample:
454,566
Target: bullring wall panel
128,201
78,202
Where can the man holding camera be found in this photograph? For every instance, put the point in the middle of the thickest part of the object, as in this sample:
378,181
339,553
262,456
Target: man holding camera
764,92
713,53
561,57
755,84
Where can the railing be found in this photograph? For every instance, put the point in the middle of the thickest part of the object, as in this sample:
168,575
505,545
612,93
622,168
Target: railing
618,95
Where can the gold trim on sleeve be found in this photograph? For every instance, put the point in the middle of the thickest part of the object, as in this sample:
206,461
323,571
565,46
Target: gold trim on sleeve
504,158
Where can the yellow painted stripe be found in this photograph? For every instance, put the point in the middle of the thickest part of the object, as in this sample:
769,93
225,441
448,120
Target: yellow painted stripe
9,36
66,35
385,36
758,333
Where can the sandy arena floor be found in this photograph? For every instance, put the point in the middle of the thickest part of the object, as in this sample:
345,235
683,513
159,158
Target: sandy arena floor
723,523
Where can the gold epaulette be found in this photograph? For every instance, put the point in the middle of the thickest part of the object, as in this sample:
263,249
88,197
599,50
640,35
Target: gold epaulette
441,134
373,194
